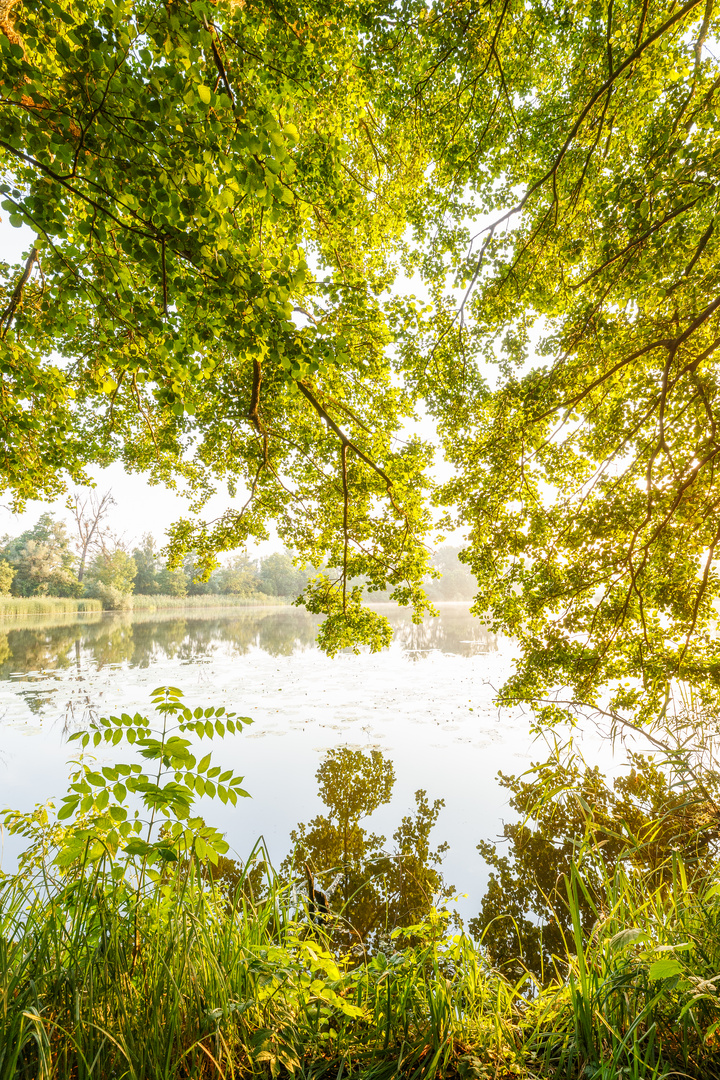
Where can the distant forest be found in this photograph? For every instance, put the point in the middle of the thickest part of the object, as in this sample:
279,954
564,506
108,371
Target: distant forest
89,560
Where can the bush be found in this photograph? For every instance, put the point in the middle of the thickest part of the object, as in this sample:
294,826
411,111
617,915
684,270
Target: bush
111,598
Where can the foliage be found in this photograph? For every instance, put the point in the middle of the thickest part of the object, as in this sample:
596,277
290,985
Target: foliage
455,582
99,821
172,582
7,573
239,577
576,383
146,564
639,996
41,560
280,577
140,960
638,823
246,990
222,197
113,570
348,624
220,205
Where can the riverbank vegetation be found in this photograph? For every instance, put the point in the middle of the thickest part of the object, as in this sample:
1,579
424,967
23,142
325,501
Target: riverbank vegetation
176,980
48,561
132,945
12,606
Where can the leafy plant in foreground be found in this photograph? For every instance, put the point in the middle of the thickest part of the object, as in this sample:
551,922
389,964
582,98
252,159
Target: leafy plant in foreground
99,817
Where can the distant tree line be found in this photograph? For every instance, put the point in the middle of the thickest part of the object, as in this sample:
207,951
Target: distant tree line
44,561
48,560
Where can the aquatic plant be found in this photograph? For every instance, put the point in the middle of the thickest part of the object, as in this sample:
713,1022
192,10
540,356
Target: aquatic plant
11,606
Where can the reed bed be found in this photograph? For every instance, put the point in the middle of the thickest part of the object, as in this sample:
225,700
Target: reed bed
182,982
639,997
14,606
213,600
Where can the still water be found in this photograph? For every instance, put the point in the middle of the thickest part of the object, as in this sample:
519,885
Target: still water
360,758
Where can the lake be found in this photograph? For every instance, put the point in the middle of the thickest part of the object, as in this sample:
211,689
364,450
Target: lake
418,717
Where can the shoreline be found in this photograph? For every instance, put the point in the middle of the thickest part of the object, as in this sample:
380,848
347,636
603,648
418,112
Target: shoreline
21,607
14,609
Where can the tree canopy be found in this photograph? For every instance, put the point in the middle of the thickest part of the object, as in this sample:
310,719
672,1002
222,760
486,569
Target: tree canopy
224,195
219,200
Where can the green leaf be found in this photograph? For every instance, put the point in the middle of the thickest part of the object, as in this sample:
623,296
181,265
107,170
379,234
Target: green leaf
205,94
666,968
68,809
137,846
631,936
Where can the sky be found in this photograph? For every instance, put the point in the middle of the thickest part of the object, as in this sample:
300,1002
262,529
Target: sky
139,506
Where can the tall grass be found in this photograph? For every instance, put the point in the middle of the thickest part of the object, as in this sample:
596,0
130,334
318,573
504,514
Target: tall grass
638,998
13,606
123,958
185,980
182,982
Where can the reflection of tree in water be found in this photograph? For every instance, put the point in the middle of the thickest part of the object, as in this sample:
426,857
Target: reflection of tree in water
456,631
568,812
279,633
377,889
141,639
30,648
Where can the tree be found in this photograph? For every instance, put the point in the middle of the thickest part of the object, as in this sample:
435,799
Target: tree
576,383
42,560
7,573
456,581
196,585
113,570
172,582
146,563
89,514
279,577
238,577
223,195
220,203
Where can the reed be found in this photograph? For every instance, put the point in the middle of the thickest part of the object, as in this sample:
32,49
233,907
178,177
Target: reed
212,600
124,957
15,606
183,980
638,997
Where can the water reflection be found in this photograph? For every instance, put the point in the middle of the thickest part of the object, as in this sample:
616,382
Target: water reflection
371,887
140,640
